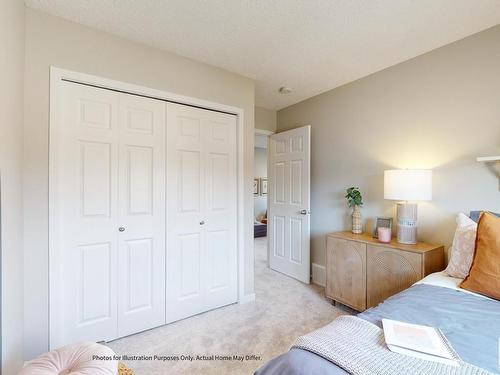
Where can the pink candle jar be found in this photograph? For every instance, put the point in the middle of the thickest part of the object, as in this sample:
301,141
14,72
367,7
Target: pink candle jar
384,234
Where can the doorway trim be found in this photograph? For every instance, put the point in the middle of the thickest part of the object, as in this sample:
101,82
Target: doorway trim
57,76
263,132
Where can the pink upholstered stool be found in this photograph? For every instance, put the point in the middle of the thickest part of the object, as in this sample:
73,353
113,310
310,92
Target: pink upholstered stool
75,359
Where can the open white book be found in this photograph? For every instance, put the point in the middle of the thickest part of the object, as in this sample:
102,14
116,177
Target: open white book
419,341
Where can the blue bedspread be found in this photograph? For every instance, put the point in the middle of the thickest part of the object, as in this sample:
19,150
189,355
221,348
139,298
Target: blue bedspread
471,324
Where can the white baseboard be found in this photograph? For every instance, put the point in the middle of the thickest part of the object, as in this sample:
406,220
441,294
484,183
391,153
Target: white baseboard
318,274
247,298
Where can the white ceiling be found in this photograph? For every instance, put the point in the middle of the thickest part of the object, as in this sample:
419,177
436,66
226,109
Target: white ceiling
309,45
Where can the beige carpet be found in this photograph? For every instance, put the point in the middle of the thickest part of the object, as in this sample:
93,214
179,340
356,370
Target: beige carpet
284,309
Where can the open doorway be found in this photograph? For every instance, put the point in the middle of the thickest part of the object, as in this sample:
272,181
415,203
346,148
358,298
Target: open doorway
282,200
260,183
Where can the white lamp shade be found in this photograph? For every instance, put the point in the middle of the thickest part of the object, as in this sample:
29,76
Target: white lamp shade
408,184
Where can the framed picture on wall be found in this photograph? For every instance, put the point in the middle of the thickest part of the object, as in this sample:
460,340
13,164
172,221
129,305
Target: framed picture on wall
256,186
263,186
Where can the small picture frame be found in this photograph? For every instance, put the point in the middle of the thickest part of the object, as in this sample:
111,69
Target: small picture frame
263,186
381,222
256,186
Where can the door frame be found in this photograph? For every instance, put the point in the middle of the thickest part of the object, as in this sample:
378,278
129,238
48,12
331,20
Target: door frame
57,76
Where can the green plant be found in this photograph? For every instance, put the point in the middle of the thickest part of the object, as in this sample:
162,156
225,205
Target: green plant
354,197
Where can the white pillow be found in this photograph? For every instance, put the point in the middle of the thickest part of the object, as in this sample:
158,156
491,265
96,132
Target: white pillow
462,249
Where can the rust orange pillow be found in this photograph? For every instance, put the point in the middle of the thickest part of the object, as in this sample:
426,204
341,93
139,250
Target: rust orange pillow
484,276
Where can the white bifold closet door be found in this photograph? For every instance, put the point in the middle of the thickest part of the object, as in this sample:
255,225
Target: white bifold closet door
108,215
201,214
140,233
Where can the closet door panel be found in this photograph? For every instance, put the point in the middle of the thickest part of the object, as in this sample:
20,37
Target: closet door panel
139,189
84,180
141,231
201,215
220,195
95,160
190,267
189,178
185,207
139,268
93,264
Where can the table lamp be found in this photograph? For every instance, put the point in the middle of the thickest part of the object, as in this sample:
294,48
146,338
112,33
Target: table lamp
407,185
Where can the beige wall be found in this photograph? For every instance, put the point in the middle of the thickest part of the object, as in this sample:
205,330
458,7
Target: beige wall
53,41
439,111
11,133
265,119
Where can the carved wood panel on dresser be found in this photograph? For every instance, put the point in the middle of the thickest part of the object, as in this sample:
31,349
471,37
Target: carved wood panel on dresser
362,272
390,271
347,281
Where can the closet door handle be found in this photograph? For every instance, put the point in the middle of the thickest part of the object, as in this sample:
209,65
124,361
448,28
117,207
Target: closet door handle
202,222
121,229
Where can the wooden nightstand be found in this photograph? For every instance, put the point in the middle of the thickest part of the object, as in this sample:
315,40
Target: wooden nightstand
362,272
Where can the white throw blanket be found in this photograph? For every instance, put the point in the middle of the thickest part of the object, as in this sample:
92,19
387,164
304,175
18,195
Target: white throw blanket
359,348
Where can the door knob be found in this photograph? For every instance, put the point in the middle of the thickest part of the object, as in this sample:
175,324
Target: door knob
202,222
303,212
121,229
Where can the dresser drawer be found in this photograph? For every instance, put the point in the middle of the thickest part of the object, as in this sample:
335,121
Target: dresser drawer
346,276
390,271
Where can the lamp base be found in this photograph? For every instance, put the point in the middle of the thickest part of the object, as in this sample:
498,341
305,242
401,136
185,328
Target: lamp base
407,223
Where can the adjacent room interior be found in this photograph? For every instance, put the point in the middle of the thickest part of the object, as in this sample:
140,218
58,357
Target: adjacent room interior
250,187
260,184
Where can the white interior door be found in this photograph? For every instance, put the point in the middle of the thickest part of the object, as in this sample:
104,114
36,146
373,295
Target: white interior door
201,215
289,202
107,172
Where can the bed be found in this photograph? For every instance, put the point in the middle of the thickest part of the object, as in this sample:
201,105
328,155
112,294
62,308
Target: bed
259,229
470,321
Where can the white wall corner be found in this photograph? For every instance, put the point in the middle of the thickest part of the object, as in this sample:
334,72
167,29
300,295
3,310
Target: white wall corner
318,274
247,298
